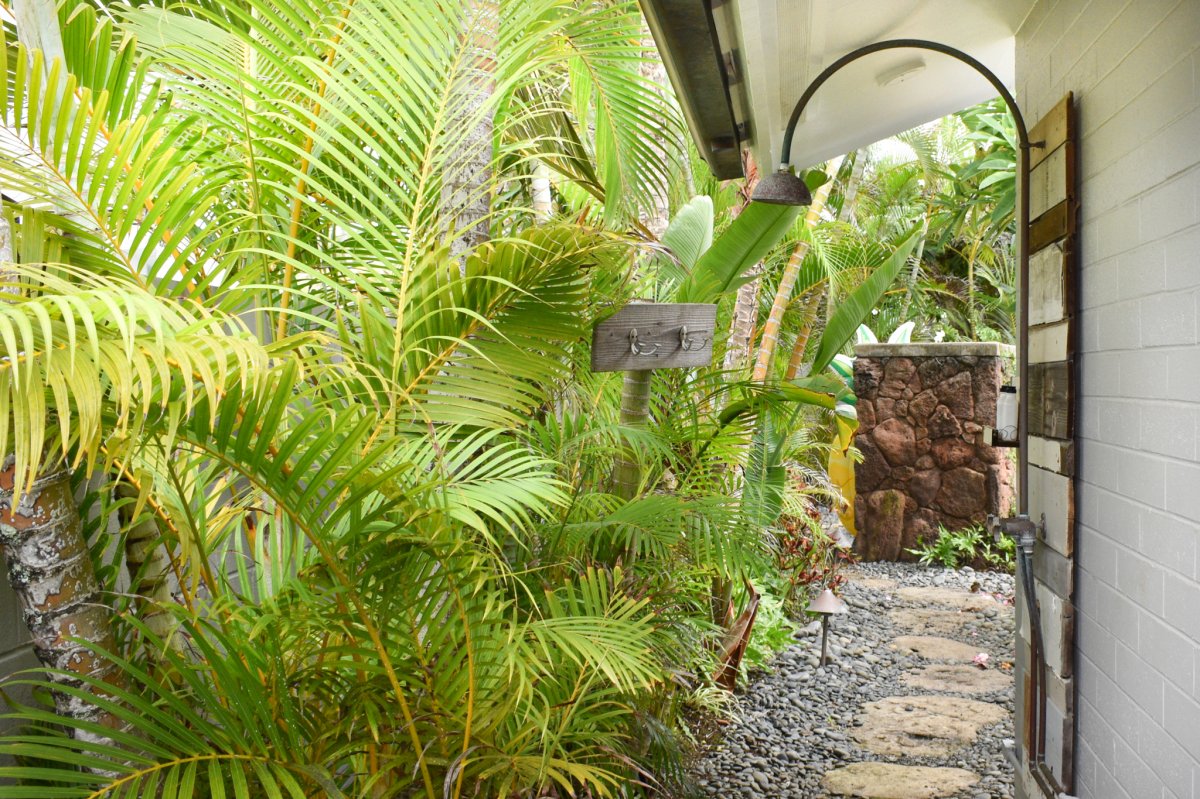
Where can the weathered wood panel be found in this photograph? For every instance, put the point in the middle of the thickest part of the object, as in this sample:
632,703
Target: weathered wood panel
1053,454
1053,495
1048,228
1051,131
1048,343
644,336
1048,183
1050,399
1053,569
1058,625
1047,271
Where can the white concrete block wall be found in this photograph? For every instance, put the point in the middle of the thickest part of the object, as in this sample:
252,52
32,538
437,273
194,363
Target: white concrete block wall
1134,66
15,652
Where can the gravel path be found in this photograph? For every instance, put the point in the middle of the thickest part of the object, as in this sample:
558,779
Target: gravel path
801,721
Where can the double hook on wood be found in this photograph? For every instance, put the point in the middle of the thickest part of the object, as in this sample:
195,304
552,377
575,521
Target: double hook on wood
687,343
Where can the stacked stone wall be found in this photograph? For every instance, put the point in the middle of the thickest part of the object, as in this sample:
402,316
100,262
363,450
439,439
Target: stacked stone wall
921,410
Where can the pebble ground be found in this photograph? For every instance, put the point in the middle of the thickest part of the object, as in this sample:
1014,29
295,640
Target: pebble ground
797,722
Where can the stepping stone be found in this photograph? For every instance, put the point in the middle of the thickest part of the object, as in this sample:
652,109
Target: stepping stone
948,597
927,620
888,781
916,726
958,679
875,583
931,647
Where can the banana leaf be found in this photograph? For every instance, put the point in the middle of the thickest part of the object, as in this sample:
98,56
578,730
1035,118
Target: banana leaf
722,268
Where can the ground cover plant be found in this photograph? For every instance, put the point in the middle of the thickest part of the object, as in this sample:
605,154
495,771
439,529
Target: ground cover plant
972,546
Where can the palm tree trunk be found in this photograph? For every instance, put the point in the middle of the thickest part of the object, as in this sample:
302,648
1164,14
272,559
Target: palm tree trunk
41,534
812,300
808,320
745,307
635,412
50,569
37,27
466,189
915,272
783,294
657,218
152,578
543,200
635,389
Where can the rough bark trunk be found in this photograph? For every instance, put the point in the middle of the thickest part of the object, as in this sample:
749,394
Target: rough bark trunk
50,569
466,189
787,281
152,579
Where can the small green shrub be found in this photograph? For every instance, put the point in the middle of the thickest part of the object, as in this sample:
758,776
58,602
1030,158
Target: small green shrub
971,546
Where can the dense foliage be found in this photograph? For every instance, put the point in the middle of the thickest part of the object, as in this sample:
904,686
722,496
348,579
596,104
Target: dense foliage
348,480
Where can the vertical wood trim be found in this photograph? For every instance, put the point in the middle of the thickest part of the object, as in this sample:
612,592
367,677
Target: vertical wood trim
1051,399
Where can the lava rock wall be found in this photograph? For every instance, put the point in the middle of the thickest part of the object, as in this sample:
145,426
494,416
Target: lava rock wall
921,411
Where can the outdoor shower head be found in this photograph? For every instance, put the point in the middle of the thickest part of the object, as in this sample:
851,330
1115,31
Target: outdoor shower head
782,188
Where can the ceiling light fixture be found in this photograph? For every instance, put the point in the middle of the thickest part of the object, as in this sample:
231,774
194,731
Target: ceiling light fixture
900,72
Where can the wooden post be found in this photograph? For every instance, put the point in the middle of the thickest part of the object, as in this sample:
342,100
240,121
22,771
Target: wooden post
638,339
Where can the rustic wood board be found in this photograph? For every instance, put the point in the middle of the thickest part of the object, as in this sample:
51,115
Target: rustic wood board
1049,227
1052,131
658,327
1057,630
1054,495
1053,570
1050,398
1048,183
1047,271
1057,418
1048,343
1053,454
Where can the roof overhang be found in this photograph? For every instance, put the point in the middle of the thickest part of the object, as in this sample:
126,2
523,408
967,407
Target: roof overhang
687,38
769,51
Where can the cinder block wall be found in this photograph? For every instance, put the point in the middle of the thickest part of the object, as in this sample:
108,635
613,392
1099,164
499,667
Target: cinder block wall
1134,66
15,652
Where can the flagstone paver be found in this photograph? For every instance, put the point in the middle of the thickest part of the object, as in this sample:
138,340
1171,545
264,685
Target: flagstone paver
932,620
878,583
958,679
948,597
934,647
893,781
933,726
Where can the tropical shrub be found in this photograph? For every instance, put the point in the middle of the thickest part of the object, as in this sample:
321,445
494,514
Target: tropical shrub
287,305
335,443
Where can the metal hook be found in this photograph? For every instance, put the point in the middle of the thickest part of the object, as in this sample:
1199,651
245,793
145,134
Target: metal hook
687,343
637,347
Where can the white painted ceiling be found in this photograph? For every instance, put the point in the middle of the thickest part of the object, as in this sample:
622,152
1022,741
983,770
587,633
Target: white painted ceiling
784,44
